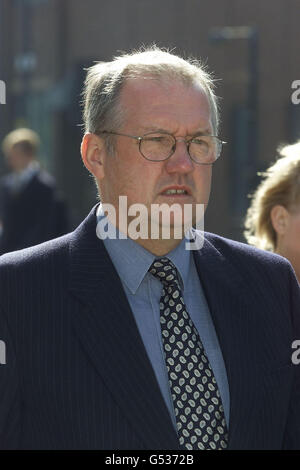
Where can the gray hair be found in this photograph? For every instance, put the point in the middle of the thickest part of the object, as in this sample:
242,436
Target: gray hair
105,80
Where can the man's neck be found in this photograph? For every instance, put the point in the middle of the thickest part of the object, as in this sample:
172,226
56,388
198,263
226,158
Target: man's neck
158,247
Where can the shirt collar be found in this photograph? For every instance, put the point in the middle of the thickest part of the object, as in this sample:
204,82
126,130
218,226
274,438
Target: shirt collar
132,261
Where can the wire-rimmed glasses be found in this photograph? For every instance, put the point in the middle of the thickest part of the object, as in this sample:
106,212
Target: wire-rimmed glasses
159,146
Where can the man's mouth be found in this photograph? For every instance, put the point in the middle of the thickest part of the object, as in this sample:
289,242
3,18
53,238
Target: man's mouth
176,191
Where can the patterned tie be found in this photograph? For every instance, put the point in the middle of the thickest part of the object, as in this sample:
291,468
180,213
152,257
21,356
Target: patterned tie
197,401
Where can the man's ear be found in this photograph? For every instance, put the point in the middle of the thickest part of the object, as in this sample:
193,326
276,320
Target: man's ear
279,217
93,154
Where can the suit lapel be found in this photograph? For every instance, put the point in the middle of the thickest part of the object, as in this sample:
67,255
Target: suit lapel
231,303
108,332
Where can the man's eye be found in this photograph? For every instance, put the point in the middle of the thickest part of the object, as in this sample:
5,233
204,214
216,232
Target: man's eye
199,141
155,139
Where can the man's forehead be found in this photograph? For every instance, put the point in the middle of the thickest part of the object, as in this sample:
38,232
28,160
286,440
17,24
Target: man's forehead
148,85
154,105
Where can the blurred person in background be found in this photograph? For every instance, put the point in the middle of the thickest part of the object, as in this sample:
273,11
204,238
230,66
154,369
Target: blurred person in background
273,218
31,209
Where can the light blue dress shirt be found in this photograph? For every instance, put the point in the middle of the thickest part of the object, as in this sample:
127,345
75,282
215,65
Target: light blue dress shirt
143,292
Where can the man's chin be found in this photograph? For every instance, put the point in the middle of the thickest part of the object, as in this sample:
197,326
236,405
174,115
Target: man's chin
174,228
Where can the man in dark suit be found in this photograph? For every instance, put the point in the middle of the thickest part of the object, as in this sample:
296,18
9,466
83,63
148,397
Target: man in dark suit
31,209
115,341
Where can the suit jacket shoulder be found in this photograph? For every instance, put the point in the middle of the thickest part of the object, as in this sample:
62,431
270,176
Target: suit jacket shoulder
251,262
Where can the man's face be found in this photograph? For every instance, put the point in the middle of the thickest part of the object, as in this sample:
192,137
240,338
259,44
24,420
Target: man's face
16,159
151,105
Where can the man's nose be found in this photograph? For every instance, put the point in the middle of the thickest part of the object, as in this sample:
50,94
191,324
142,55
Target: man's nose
180,161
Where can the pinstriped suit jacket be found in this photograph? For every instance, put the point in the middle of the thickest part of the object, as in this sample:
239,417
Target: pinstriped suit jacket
77,375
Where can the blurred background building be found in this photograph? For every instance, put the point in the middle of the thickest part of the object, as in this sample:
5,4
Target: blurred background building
252,46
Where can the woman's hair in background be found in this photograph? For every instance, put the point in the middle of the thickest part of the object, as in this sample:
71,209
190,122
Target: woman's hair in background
280,186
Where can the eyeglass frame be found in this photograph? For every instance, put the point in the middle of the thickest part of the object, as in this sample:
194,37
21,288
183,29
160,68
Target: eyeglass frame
176,139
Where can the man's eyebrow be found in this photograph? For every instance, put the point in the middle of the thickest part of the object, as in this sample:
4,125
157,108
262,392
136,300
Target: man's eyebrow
160,129
204,132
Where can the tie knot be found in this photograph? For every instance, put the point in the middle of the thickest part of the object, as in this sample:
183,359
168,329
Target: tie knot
164,270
